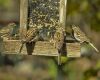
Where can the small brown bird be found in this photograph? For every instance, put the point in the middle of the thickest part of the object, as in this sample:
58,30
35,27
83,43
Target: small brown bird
81,37
8,31
58,42
31,36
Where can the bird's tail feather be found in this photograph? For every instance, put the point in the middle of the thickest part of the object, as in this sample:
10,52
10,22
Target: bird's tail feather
21,48
59,58
94,47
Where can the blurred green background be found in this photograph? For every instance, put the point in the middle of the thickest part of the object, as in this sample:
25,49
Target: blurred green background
84,13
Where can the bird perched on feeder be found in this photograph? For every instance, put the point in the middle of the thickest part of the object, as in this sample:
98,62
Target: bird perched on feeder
58,42
81,37
8,31
31,36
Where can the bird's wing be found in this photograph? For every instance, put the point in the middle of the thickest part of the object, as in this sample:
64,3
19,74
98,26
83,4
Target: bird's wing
79,34
31,34
59,40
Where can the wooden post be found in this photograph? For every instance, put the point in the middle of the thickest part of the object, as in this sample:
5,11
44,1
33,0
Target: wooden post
63,13
23,17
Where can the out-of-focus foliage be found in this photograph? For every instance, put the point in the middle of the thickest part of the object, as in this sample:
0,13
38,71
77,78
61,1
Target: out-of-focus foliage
4,3
89,11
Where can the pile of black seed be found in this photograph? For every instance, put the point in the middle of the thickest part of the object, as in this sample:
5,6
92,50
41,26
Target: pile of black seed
44,13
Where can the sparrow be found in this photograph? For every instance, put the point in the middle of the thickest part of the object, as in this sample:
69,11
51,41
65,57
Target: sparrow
8,31
31,36
81,37
58,42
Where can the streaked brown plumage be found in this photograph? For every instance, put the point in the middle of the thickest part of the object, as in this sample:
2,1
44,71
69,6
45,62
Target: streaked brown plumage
81,37
58,42
7,32
31,36
58,39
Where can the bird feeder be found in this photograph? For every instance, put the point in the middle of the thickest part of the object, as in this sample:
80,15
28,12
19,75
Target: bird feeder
55,10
